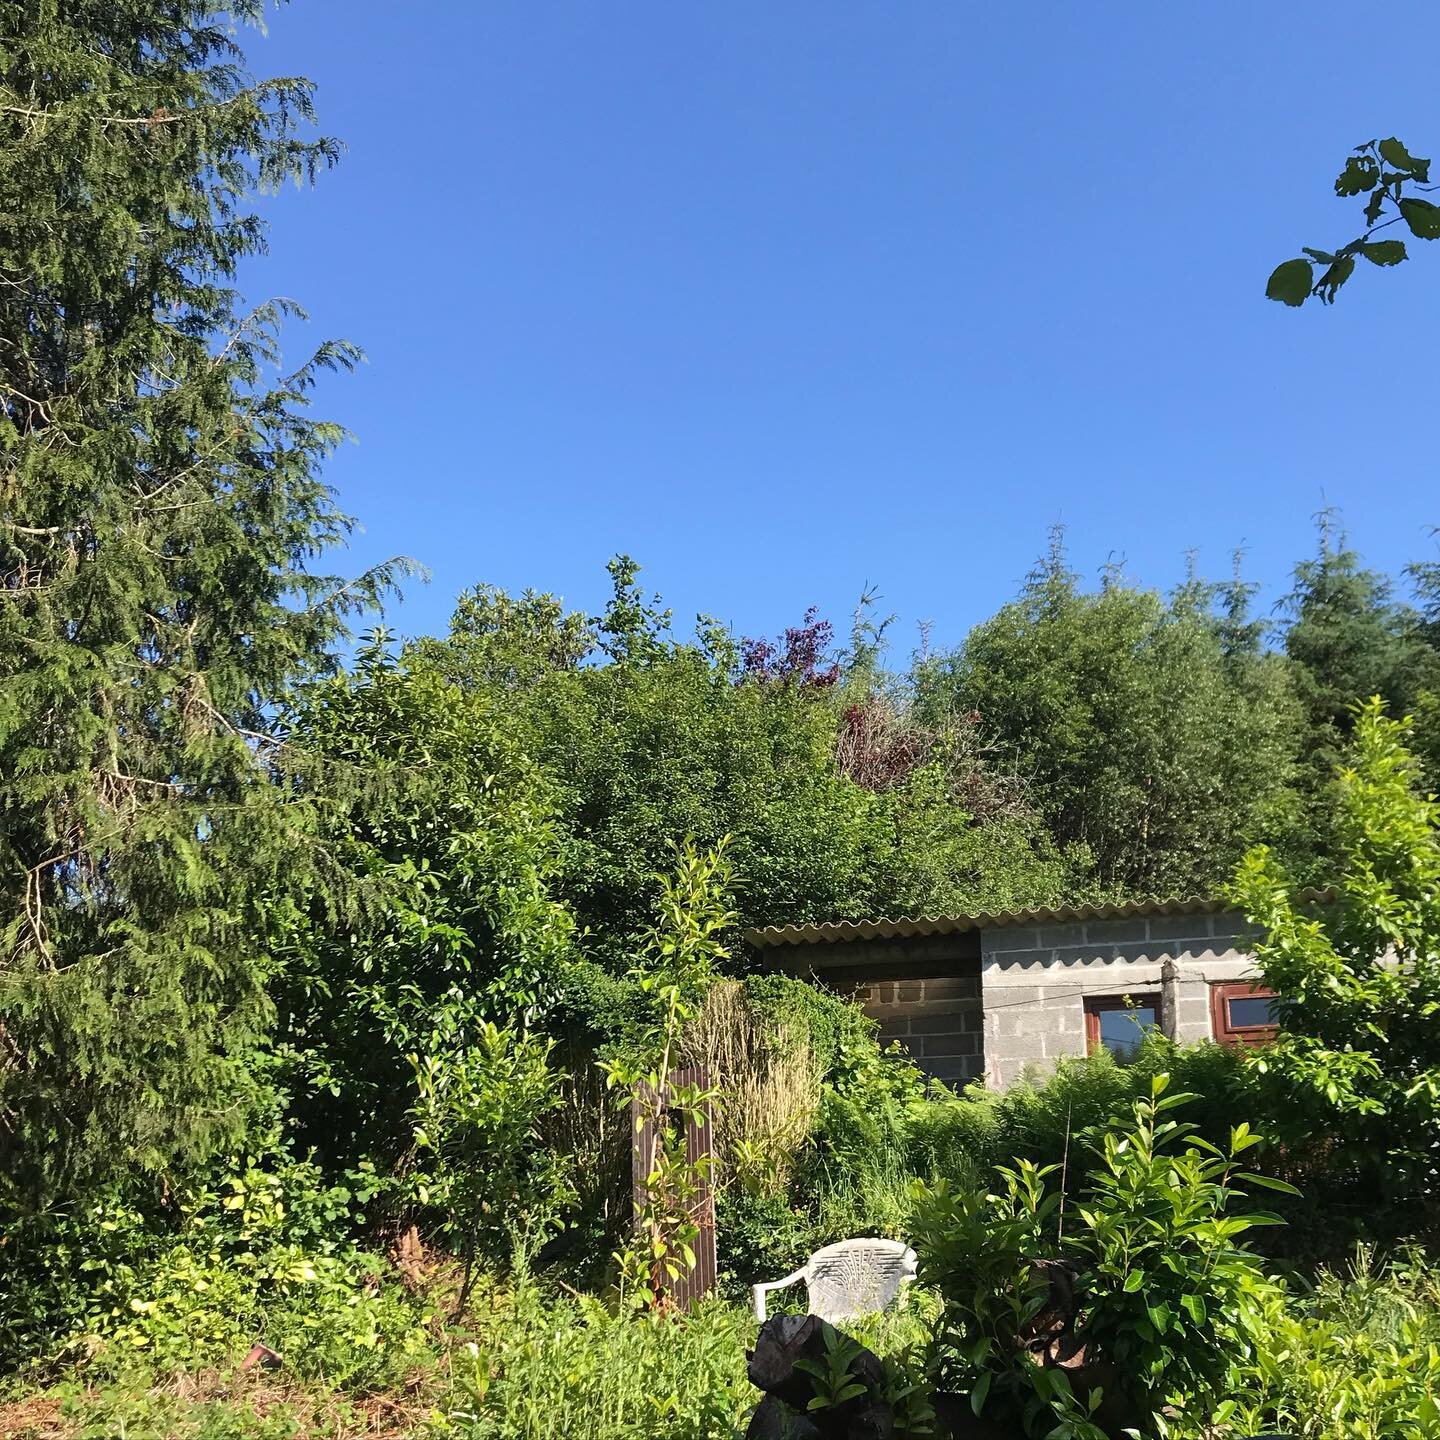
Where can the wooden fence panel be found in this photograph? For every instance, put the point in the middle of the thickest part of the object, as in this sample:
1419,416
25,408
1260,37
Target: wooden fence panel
699,1139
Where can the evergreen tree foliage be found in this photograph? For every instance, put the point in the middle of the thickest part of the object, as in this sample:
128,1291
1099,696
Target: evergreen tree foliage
1350,638
160,504
1424,576
1157,735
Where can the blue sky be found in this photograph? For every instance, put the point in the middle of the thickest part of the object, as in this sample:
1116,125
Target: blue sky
788,299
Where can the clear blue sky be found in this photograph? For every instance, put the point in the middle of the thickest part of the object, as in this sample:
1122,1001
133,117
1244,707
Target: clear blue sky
785,299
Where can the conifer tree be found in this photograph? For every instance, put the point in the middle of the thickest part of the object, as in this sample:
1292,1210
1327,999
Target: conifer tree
1349,639
160,504
1157,737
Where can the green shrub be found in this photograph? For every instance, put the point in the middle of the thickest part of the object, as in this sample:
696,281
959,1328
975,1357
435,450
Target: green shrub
1358,1359
1358,1057
1143,1275
839,1034
760,1237
262,1257
1045,1118
482,1095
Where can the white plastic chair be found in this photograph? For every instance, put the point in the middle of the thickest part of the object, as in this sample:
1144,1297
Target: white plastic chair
848,1279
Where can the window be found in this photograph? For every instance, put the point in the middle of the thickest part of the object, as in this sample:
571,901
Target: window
1118,1023
1242,1013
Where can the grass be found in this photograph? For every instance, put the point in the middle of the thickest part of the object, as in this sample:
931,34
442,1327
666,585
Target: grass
534,1365
210,1406
526,1365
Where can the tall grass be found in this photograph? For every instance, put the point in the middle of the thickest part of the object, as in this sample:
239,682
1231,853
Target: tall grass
542,1368
770,1085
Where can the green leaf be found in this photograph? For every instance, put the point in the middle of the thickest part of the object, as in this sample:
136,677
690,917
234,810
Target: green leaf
1422,217
1133,1281
981,1390
1394,153
1384,252
1291,282
1373,206
1180,1097
1269,1182
1334,278
1321,257
1358,175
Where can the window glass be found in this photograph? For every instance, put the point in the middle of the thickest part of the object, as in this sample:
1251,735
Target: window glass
1251,1010
1120,1028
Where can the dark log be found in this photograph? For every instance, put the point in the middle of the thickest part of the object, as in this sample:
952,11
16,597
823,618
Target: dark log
1045,1334
785,1340
261,1356
875,1422
779,1347
957,1421
775,1420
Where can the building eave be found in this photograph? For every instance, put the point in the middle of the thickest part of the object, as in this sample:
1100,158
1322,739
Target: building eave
907,927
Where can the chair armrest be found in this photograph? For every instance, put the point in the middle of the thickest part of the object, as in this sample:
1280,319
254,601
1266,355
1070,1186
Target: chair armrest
757,1292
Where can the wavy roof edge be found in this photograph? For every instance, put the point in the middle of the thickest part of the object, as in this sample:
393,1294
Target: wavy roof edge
909,926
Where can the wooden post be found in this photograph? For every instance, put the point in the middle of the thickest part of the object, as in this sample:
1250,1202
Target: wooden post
685,1291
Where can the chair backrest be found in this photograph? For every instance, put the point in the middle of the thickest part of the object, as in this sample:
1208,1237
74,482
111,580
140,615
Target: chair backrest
857,1277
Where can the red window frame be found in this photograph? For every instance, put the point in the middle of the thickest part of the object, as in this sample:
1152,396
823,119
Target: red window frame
1098,1005
1222,992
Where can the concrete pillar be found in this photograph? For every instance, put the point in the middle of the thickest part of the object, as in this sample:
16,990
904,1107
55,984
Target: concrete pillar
1170,999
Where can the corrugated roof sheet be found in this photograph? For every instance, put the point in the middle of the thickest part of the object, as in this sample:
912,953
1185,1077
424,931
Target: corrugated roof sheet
906,926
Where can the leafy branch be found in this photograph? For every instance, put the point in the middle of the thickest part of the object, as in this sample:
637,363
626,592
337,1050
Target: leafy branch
1380,169
683,950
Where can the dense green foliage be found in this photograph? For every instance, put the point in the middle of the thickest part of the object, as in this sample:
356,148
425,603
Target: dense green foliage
266,1253
1138,1302
1158,735
837,802
1349,638
1360,982
313,975
1128,1301
421,999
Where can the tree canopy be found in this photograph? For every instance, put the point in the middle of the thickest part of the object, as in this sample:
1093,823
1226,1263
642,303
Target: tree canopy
160,504
1158,735
378,914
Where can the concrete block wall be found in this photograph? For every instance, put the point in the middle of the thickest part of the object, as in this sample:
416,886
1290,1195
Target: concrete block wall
938,1019
1035,980
923,990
